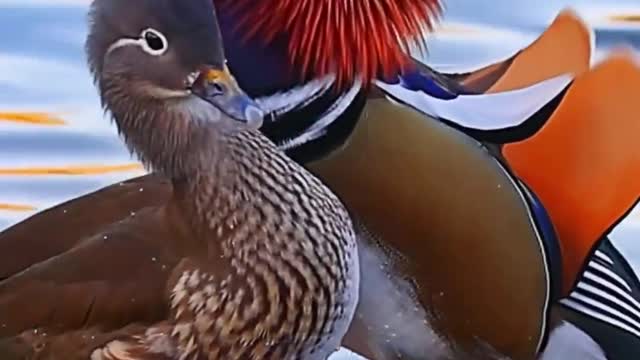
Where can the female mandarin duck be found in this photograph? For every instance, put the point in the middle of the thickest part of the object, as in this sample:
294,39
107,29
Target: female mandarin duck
479,255
248,256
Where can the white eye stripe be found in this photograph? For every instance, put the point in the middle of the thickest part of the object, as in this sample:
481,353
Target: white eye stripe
124,42
142,43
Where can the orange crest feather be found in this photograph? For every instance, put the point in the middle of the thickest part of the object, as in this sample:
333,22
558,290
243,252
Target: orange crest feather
349,38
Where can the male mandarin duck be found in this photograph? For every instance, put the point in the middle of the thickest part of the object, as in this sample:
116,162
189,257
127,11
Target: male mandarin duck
248,256
455,242
504,106
564,151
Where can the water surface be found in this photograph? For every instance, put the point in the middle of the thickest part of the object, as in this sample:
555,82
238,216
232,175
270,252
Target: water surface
42,69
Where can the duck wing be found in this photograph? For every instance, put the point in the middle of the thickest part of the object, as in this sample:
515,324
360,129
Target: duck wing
565,47
58,229
116,277
509,100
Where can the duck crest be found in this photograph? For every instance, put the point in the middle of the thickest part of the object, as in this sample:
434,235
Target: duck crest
346,38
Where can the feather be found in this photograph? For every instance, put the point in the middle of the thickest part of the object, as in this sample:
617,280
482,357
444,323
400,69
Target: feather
363,39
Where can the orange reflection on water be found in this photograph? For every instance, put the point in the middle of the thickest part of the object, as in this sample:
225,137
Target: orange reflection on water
31,118
626,18
16,207
71,170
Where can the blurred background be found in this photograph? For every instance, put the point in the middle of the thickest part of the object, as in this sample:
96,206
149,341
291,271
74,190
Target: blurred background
65,147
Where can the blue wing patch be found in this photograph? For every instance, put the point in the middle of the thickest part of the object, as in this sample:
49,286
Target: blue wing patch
549,240
418,81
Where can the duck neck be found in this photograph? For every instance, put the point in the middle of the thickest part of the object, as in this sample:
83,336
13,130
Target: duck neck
168,135
218,187
216,173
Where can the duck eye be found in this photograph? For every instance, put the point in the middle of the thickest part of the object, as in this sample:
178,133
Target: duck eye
154,42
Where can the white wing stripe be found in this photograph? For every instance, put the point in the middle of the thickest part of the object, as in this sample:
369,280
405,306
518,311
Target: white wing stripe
604,257
593,290
609,320
483,111
604,270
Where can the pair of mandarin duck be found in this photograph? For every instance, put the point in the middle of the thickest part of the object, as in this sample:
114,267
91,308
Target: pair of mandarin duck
336,192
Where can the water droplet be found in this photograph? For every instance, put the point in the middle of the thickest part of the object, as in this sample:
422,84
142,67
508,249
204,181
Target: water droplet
154,259
105,237
133,213
386,326
141,189
64,211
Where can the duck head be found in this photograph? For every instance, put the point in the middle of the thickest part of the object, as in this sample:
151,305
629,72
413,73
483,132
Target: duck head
160,70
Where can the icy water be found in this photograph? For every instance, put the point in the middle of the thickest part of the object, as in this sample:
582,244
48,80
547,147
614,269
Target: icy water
73,150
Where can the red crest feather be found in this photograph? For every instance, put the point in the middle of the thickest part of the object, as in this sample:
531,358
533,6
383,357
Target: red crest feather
349,38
